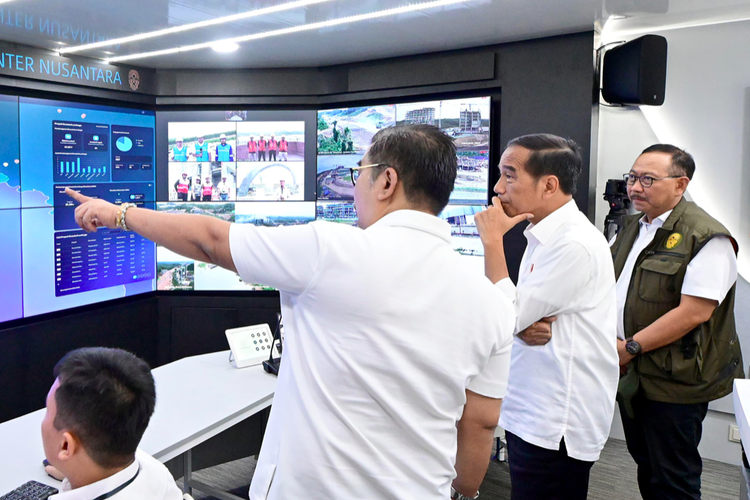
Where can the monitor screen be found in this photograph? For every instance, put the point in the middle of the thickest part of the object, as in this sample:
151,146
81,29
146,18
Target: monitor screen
344,135
102,152
176,272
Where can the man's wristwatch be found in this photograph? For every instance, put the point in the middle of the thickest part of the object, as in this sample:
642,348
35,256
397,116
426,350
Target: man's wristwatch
633,347
455,495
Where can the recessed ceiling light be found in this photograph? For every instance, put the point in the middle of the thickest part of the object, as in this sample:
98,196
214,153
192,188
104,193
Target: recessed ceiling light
191,26
293,29
225,46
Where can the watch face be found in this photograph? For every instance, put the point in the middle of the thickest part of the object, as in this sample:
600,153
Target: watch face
633,347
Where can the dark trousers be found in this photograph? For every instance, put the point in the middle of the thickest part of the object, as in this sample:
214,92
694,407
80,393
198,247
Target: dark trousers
663,440
272,155
541,474
261,156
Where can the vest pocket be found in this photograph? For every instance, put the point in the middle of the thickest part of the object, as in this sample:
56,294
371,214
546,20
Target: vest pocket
669,363
657,280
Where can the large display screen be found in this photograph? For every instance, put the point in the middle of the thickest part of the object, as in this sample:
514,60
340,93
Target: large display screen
344,135
49,263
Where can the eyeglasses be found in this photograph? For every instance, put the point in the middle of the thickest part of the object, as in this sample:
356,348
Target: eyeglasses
355,170
646,180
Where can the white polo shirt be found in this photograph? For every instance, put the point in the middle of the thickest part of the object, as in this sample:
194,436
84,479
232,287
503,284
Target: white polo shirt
566,388
710,274
385,330
154,482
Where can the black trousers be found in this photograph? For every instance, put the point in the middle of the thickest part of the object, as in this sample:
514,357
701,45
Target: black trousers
663,440
541,474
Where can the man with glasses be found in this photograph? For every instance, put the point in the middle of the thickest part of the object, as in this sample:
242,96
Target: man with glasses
676,270
397,351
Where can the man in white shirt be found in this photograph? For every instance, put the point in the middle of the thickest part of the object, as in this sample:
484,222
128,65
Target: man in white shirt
97,411
676,271
561,391
396,352
223,188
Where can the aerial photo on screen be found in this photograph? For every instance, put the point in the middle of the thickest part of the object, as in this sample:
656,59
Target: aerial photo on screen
223,211
350,130
464,234
275,214
467,121
175,275
334,178
342,212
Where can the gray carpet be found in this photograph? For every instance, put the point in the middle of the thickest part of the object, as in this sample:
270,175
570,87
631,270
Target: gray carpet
612,478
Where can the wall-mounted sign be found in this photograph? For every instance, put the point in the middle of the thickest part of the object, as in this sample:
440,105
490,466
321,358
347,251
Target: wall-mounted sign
37,64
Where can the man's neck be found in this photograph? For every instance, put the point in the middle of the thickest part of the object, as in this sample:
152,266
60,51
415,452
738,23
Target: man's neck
553,206
92,474
651,217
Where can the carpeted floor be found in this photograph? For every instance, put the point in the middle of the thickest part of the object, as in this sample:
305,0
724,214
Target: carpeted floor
612,478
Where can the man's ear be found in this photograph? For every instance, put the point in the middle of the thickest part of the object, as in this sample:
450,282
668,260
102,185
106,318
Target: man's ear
551,186
71,445
389,180
681,185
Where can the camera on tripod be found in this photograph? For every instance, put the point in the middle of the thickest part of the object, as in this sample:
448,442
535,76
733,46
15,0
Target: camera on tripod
616,194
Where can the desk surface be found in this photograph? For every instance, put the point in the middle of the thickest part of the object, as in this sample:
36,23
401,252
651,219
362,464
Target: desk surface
196,399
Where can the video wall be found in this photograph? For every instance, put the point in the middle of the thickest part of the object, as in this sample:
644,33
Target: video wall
343,136
247,167
50,264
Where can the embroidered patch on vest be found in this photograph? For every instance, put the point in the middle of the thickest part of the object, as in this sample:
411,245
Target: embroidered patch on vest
673,241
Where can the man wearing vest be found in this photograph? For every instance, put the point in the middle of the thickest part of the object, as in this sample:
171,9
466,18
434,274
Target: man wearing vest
179,151
283,148
252,149
224,150
208,189
272,147
200,150
182,186
261,149
676,270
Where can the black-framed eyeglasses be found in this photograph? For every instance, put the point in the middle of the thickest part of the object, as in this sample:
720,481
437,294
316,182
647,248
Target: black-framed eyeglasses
646,180
355,170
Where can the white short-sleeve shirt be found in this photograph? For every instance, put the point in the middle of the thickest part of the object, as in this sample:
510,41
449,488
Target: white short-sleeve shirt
385,330
566,388
710,274
154,482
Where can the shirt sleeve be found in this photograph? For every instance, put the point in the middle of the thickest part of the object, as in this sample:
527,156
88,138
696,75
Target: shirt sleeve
492,382
713,270
554,284
285,257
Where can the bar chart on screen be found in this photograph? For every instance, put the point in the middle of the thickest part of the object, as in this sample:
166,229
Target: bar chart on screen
72,169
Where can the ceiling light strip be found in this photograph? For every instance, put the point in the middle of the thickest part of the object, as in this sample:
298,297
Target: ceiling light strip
294,29
191,26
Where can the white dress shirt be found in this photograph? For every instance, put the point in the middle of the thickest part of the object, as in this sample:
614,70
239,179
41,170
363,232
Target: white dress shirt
566,388
386,328
154,482
710,275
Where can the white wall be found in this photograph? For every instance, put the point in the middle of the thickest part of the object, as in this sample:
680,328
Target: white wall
707,112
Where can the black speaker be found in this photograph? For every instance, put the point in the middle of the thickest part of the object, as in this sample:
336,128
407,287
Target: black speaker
636,72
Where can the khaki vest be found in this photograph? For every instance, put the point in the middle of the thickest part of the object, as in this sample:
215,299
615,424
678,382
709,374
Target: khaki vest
702,365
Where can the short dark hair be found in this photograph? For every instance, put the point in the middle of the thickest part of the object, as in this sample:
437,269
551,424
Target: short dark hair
425,159
552,155
106,398
682,161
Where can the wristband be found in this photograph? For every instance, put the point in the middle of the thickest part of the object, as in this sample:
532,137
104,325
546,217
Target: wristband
120,220
456,495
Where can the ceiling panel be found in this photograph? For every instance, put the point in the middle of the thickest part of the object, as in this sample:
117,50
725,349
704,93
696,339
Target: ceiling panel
52,23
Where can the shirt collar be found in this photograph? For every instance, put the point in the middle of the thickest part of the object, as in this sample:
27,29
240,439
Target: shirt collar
98,488
544,229
658,222
414,219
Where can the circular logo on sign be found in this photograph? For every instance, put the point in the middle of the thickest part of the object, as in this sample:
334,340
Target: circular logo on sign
673,240
134,79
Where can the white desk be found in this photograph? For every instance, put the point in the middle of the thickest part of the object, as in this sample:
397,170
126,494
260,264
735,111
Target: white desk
196,399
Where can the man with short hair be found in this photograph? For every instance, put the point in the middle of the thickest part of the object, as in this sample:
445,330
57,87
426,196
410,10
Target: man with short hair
676,269
97,411
564,368
396,351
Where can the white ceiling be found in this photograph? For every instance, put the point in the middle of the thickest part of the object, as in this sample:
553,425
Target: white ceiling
46,23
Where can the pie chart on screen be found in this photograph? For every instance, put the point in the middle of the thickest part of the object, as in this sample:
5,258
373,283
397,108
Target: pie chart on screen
124,144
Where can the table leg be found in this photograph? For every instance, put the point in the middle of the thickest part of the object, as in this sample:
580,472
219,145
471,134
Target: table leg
187,469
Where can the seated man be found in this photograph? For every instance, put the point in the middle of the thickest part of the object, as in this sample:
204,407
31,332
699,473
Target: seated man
97,410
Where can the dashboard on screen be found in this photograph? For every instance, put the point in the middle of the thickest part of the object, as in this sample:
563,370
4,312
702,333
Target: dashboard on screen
103,152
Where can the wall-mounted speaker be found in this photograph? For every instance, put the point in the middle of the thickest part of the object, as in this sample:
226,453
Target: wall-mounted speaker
636,72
